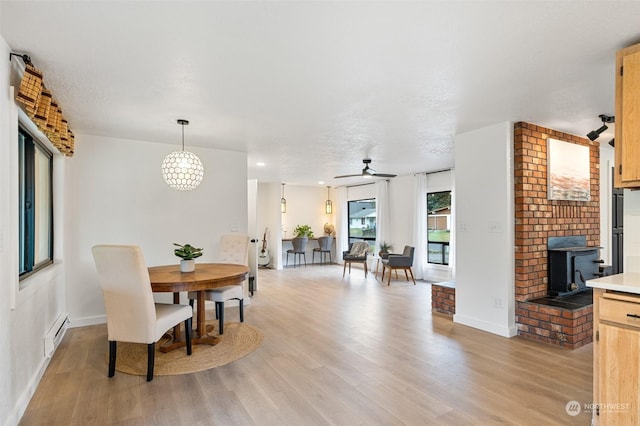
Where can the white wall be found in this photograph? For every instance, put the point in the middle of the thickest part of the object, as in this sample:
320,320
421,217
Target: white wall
305,206
116,195
484,237
268,220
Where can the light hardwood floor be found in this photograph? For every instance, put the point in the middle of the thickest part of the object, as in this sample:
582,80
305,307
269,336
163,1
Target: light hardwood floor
337,351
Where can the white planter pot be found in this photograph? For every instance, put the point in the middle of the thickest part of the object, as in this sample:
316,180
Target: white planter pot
187,265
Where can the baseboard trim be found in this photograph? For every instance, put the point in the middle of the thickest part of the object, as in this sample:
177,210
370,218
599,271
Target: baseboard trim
86,321
30,390
509,331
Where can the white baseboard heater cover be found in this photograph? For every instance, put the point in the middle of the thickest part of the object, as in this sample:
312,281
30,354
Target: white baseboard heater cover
55,334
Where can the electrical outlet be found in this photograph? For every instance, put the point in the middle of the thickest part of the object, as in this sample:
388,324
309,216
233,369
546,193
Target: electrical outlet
464,227
497,302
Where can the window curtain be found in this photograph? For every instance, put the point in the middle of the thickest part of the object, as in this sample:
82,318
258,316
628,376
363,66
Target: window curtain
382,213
452,232
420,225
342,222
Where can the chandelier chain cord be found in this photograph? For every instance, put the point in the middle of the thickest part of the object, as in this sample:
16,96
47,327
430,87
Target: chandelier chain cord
183,137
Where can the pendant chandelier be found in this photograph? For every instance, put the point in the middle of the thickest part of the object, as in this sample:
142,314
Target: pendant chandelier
328,205
182,170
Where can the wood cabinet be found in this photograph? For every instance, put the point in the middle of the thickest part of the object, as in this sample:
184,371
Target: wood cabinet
616,358
627,142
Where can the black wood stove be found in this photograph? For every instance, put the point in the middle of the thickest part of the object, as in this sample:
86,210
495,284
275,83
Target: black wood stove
571,263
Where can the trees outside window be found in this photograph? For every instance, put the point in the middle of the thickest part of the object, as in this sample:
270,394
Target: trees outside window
438,227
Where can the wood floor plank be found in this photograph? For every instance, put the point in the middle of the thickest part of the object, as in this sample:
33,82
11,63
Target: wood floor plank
336,351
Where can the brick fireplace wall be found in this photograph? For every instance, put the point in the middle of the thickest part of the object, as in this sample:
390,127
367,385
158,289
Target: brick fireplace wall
537,219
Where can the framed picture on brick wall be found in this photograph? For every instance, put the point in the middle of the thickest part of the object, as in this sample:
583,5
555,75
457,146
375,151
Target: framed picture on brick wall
568,175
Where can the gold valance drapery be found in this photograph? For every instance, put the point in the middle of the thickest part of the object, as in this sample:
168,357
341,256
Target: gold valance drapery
40,105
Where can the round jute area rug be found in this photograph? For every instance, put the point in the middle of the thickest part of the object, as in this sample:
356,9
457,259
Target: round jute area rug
239,340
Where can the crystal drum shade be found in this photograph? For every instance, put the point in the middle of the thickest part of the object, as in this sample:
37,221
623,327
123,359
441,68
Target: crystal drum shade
182,170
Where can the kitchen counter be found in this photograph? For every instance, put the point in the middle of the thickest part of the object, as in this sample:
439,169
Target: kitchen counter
628,282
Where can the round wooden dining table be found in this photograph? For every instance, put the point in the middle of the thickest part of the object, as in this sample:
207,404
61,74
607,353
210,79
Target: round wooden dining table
168,278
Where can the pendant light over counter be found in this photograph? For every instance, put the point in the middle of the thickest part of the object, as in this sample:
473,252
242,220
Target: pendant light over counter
328,205
182,170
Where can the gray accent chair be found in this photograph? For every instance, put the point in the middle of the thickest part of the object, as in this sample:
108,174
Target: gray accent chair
357,253
399,261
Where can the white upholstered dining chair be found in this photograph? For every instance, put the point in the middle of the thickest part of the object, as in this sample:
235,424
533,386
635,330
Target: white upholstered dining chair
132,314
233,248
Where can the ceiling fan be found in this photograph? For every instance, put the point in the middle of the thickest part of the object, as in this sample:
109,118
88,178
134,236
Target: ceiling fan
367,172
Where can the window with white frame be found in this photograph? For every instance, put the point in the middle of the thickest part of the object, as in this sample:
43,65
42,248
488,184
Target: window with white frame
362,221
35,169
438,227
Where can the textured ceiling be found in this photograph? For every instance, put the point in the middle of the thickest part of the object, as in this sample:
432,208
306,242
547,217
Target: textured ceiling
311,88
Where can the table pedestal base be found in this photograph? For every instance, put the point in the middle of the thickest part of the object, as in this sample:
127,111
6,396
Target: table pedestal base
176,340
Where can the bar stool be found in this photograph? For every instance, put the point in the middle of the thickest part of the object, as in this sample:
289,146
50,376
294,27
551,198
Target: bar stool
324,248
299,249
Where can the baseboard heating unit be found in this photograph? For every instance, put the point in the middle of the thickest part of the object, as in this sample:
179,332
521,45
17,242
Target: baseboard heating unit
55,334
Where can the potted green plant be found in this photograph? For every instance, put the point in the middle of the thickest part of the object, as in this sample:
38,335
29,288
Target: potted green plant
303,231
385,249
187,253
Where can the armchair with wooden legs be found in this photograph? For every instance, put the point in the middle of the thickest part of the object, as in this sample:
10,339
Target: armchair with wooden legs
357,253
399,261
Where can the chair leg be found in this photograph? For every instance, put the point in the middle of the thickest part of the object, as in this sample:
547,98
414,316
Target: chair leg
365,268
112,357
241,304
217,310
151,355
344,269
304,255
406,275
390,271
413,279
187,333
221,318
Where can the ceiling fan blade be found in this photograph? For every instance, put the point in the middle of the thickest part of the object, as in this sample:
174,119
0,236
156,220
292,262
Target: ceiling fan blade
346,176
367,172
